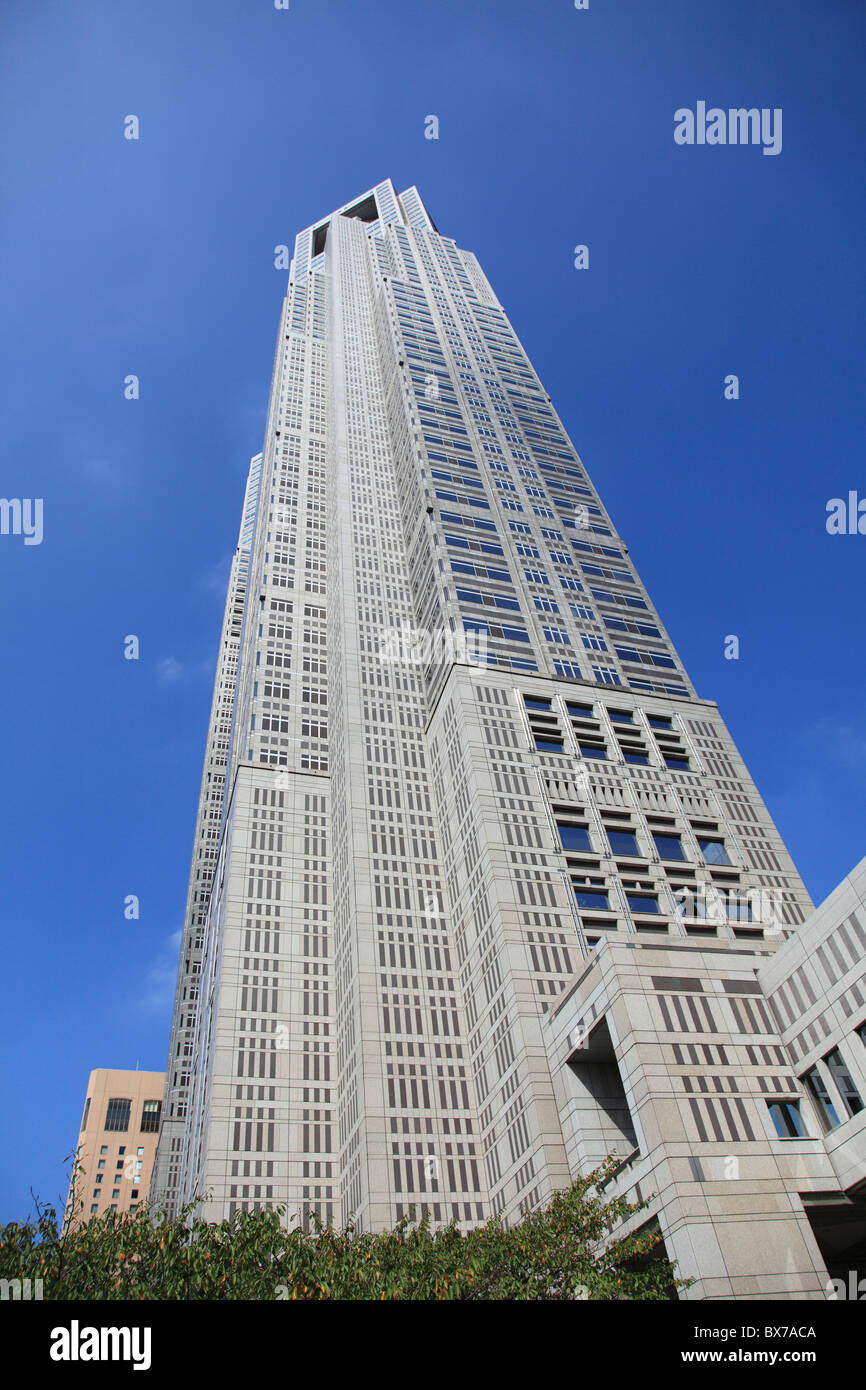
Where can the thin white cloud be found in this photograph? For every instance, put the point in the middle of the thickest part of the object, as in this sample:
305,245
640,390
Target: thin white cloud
840,741
160,978
169,670
215,578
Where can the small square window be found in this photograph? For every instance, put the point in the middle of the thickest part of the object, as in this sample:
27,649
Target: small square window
98,1178
135,1192
714,851
574,837
140,1152
668,846
104,1149
737,909
101,1163
592,899
638,902
786,1118
94,1208
122,1149
96,1192
589,750
622,842
116,1192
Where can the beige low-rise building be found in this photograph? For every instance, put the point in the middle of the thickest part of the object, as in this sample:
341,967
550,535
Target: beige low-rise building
116,1144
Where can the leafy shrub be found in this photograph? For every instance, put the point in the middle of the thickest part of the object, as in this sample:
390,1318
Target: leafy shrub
566,1251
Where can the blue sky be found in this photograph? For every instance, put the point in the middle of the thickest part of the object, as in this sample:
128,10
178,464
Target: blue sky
156,257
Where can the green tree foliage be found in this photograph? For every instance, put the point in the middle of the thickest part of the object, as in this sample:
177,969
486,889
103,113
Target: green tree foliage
567,1251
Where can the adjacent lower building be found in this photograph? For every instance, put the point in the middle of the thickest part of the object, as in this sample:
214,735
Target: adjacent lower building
117,1143
461,799
731,1085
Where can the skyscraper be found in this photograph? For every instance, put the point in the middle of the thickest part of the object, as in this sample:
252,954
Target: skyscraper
454,760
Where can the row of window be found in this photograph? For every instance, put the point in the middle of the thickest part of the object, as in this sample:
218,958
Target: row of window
583,711
119,1111
832,1090
575,836
643,898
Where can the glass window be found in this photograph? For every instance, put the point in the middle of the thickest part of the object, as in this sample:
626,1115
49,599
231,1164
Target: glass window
548,745
574,836
532,703
117,1115
668,846
104,1149
590,751
582,710
622,842
814,1084
676,764
96,1191
94,1208
116,1192
590,898
140,1152
659,721
640,903
86,1113
640,758
714,851
621,716
101,1163
737,909
98,1178
786,1117
690,898
150,1116
844,1081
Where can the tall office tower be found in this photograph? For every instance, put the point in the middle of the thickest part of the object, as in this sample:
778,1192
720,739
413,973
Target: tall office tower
206,841
117,1143
464,755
